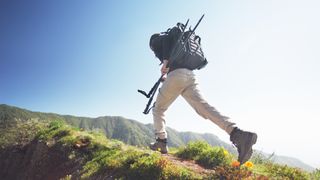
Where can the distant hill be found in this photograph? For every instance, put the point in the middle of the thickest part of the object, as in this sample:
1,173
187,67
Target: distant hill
116,127
294,162
129,131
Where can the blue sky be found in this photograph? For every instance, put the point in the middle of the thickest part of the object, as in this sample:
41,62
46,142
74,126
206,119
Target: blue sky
89,58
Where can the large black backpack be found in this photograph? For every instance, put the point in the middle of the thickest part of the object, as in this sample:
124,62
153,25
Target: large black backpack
186,51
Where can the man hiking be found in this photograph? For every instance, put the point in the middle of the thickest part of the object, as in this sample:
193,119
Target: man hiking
181,80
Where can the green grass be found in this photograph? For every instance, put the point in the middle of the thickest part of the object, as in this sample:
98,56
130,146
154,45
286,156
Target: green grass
205,155
103,156
285,172
220,160
315,174
21,133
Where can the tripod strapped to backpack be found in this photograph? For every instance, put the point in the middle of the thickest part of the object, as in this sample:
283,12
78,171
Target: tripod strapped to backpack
176,51
150,95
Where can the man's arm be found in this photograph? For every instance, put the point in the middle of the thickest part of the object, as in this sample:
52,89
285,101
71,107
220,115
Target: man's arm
167,43
164,68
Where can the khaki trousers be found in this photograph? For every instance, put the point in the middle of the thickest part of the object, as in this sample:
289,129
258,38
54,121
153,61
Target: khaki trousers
182,82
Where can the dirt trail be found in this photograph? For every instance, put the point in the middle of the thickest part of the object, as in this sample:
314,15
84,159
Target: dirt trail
190,164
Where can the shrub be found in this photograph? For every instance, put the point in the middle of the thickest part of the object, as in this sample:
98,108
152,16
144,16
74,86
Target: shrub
205,155
260,158
19,134
154,166
236,173
53,125
213,157
55,129
228,172
193,150
101,159
315,174
285,172
147,167
171,171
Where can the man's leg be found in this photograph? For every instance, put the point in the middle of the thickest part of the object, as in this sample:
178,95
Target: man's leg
243,140
192,95
170,90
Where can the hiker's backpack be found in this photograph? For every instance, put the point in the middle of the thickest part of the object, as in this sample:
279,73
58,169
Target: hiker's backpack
186,51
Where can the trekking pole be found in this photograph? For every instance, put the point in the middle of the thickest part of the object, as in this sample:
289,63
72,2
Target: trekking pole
151,94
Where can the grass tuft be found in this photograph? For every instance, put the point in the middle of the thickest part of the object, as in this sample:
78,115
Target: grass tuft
205,155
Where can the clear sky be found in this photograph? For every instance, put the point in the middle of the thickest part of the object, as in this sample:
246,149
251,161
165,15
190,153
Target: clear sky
89,58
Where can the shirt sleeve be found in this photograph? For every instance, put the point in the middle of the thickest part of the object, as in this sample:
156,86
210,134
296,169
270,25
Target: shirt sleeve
166,48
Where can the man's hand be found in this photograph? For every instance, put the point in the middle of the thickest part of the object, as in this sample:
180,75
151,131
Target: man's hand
164,68
163,78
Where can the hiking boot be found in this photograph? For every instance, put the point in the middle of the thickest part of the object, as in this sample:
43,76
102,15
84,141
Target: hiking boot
160,145
244,141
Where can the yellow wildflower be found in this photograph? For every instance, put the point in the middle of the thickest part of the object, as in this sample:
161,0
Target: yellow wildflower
248,164
225,152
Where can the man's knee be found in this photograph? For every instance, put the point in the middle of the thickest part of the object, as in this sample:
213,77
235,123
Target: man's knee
157,110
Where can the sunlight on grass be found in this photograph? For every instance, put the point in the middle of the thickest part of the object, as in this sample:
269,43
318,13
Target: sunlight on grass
99,155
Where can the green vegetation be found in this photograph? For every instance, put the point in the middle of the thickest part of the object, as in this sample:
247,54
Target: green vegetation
113,158
205,155
21,133
227,167
128,131
102,154
285,172
315,174
216,158
98,157
114,127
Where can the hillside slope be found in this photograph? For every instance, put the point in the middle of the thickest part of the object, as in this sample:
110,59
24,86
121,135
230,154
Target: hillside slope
128,131
36,150
54,151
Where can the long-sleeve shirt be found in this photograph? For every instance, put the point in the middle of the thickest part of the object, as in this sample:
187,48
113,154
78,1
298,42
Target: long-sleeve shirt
163,46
